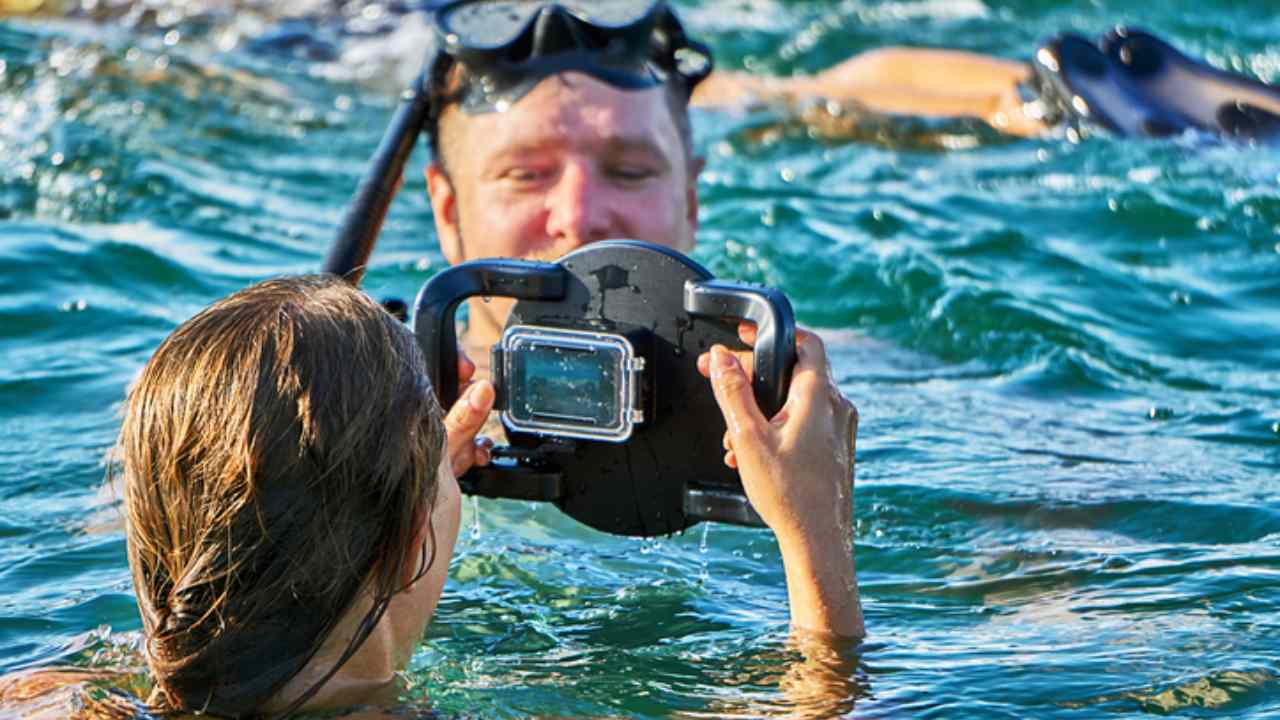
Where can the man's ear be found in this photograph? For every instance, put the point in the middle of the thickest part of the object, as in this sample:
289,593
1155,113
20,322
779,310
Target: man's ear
444,206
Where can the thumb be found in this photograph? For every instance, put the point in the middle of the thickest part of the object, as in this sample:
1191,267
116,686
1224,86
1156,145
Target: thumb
732,388
464,421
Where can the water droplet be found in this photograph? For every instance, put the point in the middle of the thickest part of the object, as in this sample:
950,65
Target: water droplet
228,40
475,518
172,37
56,159
95,174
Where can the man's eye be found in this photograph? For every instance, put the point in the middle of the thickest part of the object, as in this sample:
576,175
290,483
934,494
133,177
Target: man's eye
524,175
631,173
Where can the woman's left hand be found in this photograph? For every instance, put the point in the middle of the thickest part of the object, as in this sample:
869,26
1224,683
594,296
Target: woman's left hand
466,418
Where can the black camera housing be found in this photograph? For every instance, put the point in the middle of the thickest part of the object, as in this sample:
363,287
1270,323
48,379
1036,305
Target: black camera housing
668,473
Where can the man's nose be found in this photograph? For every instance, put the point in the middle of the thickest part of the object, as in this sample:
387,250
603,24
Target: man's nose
578,207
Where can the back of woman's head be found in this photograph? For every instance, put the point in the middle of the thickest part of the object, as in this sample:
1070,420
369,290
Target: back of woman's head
278,451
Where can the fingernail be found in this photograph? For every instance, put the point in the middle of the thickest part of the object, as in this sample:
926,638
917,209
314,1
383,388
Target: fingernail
475,396
721,359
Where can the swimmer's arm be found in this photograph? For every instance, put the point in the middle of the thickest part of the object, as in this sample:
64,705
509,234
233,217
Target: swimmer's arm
822,585
894,80
797,470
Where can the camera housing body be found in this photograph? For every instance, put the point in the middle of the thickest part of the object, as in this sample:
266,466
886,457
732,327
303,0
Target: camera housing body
605,412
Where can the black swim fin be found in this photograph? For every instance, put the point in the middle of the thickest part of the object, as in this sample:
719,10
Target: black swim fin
1247,121
1087,84
1213,99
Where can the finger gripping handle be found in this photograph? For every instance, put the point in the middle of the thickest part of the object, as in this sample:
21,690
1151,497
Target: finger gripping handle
437,303
769,309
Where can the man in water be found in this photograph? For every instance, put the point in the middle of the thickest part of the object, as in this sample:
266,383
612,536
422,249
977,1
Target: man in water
538,161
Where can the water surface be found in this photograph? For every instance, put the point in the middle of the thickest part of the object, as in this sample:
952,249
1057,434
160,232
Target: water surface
1066,357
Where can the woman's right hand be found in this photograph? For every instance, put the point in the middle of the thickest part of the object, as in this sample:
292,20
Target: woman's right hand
797,470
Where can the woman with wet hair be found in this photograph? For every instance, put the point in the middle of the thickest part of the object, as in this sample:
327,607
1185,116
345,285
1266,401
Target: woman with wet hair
290,519
290,514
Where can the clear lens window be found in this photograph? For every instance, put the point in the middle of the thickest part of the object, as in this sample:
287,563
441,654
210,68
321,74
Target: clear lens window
570,383
554,383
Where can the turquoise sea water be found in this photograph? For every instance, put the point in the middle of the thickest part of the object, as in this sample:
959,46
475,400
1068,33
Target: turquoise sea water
1066,356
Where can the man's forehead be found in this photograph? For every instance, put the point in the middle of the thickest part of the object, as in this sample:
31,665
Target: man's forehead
579,110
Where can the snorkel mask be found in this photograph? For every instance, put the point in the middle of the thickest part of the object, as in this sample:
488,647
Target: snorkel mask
509,46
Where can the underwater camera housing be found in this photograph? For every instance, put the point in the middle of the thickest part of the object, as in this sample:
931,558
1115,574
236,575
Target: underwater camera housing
605,412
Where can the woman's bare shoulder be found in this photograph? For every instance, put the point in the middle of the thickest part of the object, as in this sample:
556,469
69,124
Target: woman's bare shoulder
72,693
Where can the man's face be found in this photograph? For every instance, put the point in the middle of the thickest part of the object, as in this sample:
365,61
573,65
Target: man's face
572,162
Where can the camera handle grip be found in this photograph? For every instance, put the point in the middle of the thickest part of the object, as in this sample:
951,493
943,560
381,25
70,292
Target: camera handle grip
438,301
769,309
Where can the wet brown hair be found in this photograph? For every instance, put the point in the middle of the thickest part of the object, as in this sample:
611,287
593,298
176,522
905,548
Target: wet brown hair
279,452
